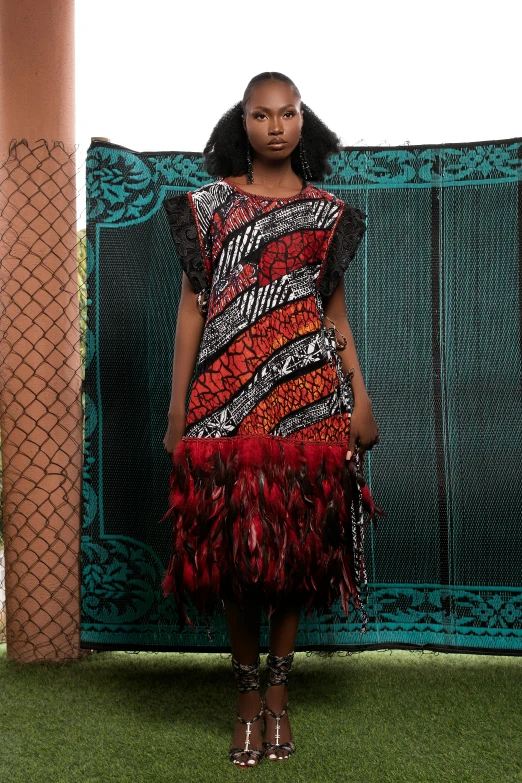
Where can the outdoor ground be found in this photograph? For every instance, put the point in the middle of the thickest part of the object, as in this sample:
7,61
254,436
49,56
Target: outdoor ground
373,717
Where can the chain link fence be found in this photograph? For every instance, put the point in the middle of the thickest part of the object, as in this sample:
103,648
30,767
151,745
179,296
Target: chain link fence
43,304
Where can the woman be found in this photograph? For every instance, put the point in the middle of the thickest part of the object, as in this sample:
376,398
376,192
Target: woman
266,488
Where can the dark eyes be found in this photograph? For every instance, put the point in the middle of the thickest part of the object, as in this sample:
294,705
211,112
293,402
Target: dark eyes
262,114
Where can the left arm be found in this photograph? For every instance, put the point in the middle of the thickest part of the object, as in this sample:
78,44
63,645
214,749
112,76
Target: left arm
362,425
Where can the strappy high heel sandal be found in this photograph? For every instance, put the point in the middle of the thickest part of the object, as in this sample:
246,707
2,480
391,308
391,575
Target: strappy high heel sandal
279,667
247,678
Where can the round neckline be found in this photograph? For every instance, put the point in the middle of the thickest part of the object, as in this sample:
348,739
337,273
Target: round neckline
267,198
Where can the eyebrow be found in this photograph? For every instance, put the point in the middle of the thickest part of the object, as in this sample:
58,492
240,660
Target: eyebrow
286,106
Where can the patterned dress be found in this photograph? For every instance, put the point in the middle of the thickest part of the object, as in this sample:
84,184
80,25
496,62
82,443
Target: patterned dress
261,496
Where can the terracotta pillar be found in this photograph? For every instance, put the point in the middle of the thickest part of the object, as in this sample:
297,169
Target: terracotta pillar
40,370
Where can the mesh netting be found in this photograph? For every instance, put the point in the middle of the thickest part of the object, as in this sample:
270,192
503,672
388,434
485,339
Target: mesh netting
433,301
43,311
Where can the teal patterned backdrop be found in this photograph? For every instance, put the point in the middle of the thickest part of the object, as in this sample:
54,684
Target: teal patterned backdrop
434,302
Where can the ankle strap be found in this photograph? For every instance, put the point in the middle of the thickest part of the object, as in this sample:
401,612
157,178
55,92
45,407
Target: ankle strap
279,667
247,675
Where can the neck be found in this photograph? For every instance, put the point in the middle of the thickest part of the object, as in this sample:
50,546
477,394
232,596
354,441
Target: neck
274,174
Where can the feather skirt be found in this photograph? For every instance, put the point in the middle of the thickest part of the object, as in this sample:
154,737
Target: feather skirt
267,515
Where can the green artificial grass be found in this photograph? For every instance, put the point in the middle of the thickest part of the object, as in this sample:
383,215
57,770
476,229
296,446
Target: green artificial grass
374,717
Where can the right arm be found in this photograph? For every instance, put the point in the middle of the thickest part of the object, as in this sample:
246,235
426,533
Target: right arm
189,330
190,229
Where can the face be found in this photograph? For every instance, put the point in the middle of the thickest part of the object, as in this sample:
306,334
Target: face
273,113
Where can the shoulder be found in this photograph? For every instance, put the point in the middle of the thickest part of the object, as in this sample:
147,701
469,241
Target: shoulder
200,203
323,193
209,198
211,191
217,190
349,212
348,231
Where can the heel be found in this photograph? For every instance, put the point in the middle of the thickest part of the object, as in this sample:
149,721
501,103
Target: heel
279,668
247,678
269,747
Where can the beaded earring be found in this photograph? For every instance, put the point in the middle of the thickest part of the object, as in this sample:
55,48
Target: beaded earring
307,173
250,170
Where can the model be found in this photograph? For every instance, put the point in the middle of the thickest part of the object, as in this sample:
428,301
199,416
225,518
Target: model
266,489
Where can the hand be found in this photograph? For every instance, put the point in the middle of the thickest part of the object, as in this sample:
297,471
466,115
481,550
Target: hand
175,432
363,427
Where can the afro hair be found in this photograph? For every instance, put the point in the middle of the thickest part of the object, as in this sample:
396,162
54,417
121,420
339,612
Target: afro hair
225,153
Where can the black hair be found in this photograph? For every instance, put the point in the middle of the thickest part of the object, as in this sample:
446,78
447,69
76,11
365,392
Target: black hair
225,153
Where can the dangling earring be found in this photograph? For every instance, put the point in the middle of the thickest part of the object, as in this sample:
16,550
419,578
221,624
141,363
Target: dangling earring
250,170
307,174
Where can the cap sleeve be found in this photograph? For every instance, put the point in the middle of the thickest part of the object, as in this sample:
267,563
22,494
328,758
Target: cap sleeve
188,239
348,232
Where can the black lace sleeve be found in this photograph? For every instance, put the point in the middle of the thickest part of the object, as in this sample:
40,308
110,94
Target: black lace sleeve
184,232
347,235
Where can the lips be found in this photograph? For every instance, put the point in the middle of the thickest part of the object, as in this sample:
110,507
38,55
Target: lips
279,141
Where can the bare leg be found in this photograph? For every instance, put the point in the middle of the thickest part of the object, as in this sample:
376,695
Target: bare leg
284,624
244,631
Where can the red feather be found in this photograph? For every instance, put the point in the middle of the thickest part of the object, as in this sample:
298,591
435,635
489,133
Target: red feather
249,511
